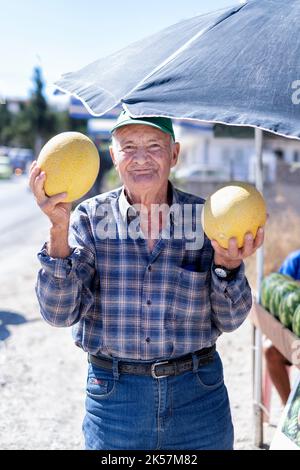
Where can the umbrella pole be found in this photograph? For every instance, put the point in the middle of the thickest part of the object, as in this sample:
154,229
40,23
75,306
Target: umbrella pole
257,335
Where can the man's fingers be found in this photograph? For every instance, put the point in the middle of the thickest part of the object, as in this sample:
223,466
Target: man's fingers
33,164
36,182
59,198
32,175
248,245
259,239
233,249
219,249
34,172
232,252
54,200
38,187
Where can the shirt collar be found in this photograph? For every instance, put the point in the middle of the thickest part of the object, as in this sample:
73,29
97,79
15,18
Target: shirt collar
124,204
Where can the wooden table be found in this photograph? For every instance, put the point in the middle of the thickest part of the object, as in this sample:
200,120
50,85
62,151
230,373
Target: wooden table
282,338
285,341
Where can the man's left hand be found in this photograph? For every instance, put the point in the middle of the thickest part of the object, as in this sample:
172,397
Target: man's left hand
233,256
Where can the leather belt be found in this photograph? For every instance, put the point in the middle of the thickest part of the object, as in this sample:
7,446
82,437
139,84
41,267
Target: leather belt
157,369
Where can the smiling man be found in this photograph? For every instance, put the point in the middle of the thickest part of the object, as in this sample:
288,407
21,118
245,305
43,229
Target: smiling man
143,156
148,308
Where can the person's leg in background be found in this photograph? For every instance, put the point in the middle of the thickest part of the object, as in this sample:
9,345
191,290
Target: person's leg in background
276,364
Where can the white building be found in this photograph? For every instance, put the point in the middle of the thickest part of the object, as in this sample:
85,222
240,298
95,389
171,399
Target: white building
230,157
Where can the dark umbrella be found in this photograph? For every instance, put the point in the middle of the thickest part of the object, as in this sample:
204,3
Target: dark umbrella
239,66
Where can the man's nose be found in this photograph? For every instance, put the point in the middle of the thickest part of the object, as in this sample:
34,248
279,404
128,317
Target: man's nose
140,156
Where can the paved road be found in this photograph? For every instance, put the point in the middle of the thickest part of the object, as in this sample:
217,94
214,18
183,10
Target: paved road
19,214
42,373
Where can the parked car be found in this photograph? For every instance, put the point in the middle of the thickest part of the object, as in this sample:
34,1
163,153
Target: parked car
195,174
20,159
6,170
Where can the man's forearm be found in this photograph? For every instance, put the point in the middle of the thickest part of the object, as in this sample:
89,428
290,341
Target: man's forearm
58,246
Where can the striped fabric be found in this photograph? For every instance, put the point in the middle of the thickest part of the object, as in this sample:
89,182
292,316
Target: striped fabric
127,302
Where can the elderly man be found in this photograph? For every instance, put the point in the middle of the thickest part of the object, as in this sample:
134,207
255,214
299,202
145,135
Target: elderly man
146,303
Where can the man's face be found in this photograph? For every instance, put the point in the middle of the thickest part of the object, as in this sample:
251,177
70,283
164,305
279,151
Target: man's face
143,156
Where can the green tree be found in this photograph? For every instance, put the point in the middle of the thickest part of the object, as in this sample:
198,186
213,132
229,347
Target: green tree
64,123
5,125
36,122
38,113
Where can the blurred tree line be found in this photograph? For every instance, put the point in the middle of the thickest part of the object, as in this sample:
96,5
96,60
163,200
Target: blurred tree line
36,122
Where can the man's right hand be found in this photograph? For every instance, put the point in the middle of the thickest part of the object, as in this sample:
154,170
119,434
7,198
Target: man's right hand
57,211
54,207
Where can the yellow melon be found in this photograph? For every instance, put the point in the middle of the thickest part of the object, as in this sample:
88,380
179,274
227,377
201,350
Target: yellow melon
71,163
232,211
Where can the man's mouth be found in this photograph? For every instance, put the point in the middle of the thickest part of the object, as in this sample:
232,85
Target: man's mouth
142,170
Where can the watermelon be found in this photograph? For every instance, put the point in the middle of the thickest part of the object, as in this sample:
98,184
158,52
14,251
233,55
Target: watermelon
291,427
296,321
291,424
268,285
287,307
277,294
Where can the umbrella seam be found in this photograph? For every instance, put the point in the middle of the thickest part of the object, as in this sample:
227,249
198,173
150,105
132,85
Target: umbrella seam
222,18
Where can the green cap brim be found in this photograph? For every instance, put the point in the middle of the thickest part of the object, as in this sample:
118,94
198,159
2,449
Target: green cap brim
148,122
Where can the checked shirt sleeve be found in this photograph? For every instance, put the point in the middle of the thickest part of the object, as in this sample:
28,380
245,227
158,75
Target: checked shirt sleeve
230,300
64,286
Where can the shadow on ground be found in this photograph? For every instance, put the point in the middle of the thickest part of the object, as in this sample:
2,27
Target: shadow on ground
10,318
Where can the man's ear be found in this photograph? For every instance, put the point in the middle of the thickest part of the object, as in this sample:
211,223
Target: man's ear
112,154
175,153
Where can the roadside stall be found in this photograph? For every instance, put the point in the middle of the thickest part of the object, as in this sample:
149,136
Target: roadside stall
229,66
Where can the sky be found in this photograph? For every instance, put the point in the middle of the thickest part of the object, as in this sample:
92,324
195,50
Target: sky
64,35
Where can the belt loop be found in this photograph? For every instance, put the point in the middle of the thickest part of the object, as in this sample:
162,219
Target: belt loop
195,362
115,368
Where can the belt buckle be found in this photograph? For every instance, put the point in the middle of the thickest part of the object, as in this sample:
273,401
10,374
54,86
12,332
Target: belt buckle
153,366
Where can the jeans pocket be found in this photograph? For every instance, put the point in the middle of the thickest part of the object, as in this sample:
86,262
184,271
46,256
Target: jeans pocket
210,376
100,383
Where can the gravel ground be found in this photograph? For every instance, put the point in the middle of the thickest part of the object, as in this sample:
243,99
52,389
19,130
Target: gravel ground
42,373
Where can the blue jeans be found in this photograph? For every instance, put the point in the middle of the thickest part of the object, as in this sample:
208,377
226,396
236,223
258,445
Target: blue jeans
130,412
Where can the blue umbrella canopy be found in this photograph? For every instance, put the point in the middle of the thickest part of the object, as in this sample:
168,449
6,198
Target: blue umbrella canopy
238,66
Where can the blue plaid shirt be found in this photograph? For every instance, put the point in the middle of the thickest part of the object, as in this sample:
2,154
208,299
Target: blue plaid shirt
127,302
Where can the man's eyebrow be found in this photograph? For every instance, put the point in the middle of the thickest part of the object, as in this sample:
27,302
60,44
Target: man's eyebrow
127,142
132,142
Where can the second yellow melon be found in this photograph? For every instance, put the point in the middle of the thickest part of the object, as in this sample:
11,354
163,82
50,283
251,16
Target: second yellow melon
232,211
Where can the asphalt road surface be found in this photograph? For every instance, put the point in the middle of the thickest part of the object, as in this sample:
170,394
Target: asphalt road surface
19,213
42,372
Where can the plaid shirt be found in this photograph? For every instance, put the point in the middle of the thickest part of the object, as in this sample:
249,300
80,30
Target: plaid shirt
127,302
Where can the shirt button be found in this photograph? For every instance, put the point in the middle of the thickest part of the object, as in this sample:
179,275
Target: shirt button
149,302
150,268
148,340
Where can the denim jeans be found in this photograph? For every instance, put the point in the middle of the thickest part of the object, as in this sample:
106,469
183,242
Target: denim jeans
130,412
